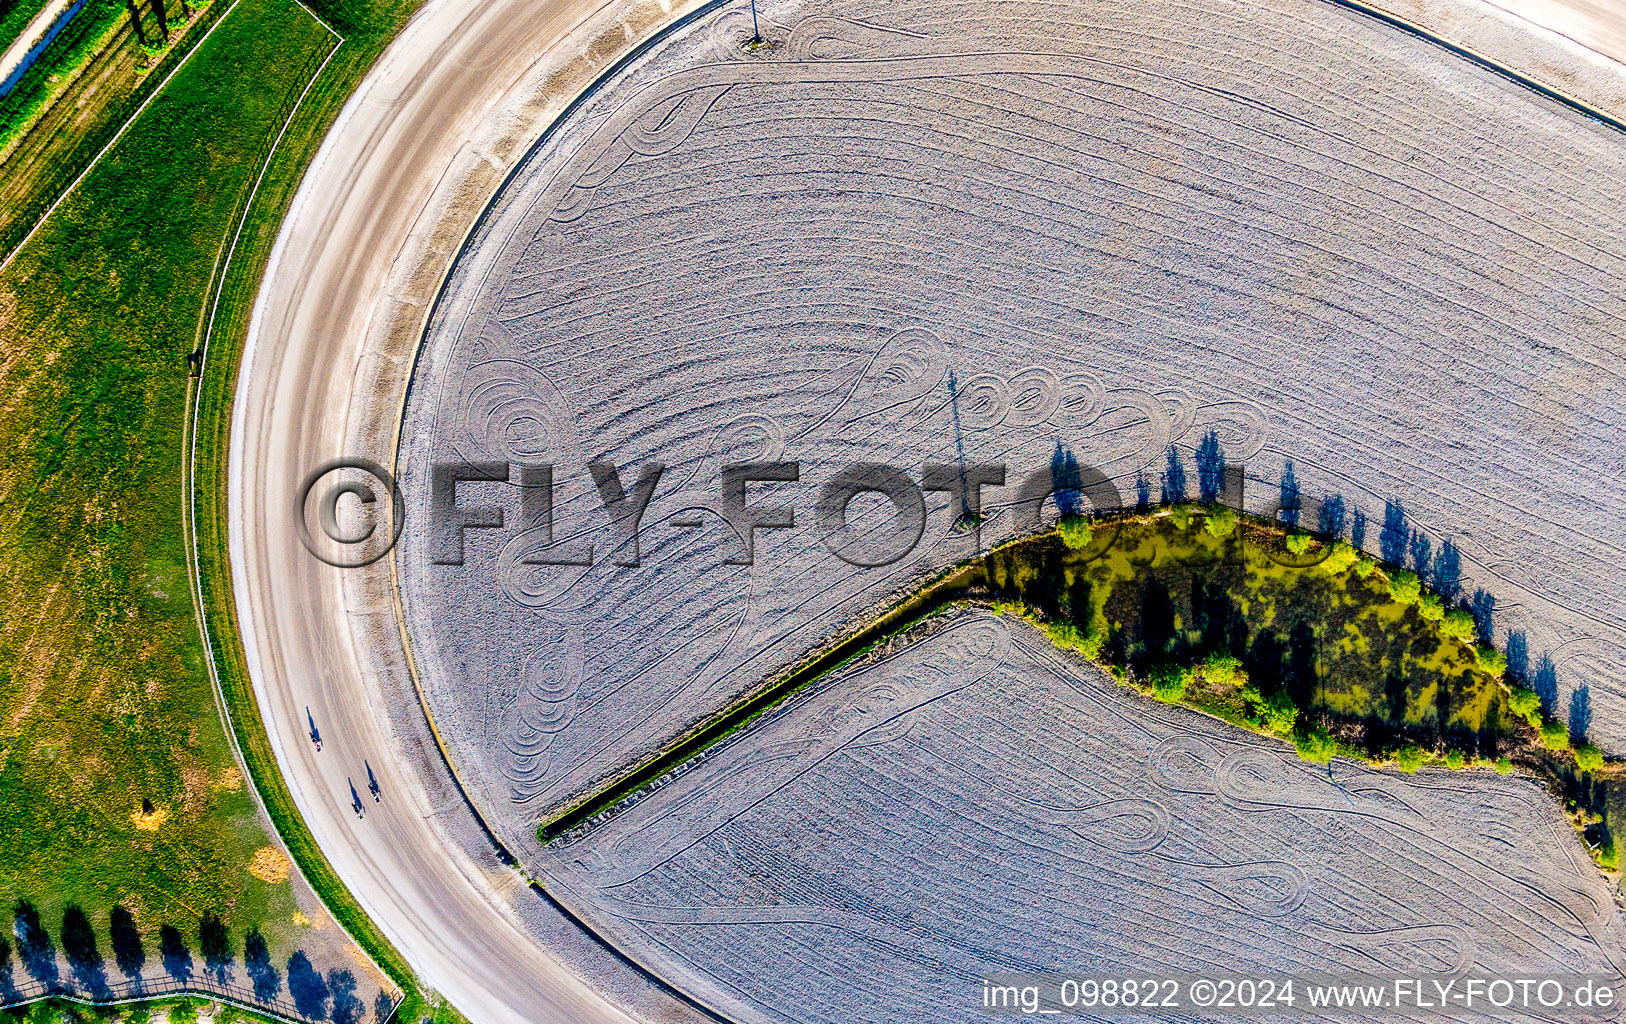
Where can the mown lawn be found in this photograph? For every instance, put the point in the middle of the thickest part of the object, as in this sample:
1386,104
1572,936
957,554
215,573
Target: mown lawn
117,783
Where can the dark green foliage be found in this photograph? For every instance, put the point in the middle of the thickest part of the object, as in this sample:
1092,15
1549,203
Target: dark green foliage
1169,682
1410,758
1315,744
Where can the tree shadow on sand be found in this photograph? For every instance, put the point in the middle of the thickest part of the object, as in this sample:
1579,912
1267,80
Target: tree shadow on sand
262,974
174,954
34,946
128,952
8,985
347,1008
84,959
214,943
305,985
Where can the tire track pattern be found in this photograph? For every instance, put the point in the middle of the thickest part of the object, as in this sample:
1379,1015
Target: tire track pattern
975,231
975,803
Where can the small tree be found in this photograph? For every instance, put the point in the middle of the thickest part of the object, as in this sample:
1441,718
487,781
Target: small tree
1555,736
1169,683
1075,532
1276,713
1315,745
1221,669
1588,758
1410,757
1404,586
1341,557
1526,704
1492,660
1431,608
1459,623
1221,521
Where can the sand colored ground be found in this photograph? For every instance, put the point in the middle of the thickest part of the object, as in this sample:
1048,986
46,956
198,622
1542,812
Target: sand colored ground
975,803
373,237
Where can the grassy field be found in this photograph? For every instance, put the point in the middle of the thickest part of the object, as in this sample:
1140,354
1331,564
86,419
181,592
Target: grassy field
117,782
367,26
175,1011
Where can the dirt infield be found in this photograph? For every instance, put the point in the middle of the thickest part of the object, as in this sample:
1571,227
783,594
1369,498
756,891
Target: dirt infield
968,234
975,802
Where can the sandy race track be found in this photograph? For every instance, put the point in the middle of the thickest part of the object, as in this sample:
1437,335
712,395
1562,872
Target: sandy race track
1333,264
419,134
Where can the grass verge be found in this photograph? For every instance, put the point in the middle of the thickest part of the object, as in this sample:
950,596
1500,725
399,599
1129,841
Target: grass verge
367,27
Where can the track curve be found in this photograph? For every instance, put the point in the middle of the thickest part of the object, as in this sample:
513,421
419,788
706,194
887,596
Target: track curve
417,147
378,218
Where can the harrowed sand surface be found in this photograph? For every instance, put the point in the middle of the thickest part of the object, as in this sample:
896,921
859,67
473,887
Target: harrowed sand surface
975,802
440,121
964,232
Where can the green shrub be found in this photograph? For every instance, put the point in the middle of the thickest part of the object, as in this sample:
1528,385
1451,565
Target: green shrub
1365,567
1454,759
1221,521
1404,586
1526,704
1298,543
1410,757
1169,683
1340,558
1459,623
1588,758
1608,854
1075,531
1066,635
1276,713
1504,765
1223,670
1492,660
1431,608
1315,744
1180,515
1555,736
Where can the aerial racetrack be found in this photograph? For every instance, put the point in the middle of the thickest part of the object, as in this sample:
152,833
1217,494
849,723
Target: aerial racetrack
965,235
